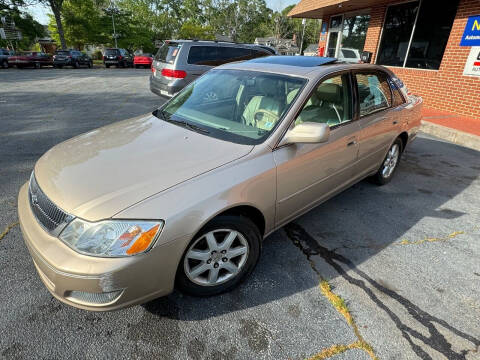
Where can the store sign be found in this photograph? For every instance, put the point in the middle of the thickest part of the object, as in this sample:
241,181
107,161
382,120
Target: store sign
471,35
472,67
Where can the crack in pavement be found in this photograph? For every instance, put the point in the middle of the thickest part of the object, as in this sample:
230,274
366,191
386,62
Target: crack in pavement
435,341
7,230
338,303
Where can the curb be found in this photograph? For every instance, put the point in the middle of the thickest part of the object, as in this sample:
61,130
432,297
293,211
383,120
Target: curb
455,136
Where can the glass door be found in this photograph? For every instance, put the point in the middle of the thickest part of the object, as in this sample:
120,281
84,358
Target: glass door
334,35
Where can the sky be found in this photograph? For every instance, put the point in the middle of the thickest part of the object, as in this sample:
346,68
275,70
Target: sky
40,12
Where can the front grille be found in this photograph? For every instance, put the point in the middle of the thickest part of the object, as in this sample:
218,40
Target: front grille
46,212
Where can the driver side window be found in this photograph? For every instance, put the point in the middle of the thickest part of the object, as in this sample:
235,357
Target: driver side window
330,103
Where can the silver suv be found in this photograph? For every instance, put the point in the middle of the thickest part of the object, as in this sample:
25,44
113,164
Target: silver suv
179,62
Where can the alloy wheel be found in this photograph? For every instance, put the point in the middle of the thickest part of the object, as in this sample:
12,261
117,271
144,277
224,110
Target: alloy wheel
391,161
216,257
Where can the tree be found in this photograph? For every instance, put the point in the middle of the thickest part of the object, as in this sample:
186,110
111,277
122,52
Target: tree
24,22
56,6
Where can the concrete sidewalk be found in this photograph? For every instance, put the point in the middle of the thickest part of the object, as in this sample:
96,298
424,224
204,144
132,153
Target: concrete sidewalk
461,130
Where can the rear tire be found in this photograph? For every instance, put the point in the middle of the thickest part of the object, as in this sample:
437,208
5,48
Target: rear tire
227,265
37,65
5,64
107,66
76,65
389,165
90,64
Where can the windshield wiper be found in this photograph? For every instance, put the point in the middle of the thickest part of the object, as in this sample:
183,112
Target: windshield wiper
183,123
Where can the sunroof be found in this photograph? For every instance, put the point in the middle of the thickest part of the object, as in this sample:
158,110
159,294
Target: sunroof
302,61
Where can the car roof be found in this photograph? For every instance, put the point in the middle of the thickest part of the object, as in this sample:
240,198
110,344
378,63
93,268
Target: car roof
304,66
212,42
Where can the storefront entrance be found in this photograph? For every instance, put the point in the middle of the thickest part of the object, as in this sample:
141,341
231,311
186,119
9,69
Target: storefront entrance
346,36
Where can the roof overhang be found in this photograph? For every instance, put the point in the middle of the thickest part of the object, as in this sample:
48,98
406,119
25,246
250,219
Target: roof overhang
318,9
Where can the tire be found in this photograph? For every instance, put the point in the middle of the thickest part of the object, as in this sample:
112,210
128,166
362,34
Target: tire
231,267
107,66
137,66
90,64
390,164
5,64
76,65
37,65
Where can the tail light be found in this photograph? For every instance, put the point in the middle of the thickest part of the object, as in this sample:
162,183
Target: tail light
152,68
104,57
69,56
178,74
120,57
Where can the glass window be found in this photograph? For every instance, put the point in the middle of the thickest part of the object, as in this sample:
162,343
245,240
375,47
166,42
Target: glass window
248,104
168,52
374,92
354,33
397,31
330,103
229,54
336,22
204,55
332,44
431,34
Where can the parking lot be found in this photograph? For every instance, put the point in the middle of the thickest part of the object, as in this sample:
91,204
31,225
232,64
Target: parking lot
404,257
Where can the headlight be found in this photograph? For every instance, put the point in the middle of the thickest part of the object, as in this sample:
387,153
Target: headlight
111,238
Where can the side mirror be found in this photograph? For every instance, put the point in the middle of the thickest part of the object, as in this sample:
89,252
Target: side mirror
307,133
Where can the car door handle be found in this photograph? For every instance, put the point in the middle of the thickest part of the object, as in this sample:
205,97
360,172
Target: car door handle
395,122
351,143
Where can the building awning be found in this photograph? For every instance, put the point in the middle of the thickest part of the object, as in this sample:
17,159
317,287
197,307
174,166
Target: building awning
312,9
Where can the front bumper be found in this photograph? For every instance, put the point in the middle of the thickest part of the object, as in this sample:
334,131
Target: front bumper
64,272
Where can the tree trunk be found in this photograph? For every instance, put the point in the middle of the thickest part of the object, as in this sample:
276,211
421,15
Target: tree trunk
58,19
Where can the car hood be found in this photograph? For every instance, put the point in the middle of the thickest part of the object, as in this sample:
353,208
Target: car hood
98,174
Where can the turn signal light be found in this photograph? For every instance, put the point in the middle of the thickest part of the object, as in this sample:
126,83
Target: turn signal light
144,241
178,74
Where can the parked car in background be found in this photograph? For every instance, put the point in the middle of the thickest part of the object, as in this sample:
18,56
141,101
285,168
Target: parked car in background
349,55
179,62
143,60
34,59
237,154
4,55
118,57
73,58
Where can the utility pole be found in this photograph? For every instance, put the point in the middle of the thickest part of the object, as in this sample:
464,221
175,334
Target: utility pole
113,10
304,21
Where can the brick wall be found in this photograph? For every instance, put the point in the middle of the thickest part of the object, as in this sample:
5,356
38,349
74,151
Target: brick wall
446,89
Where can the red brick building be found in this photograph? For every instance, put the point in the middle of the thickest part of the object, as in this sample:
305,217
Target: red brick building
419,40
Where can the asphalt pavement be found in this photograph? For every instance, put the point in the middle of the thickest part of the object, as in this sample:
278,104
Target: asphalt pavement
389,272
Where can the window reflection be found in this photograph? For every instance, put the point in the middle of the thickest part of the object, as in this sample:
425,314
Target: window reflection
354,33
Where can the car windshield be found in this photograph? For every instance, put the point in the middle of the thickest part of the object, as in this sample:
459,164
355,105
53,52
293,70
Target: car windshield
63,53
234,105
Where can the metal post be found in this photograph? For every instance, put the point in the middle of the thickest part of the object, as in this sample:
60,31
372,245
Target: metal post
114,33
304,21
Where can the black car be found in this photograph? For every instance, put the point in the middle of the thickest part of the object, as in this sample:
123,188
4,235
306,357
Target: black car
118,57
72,58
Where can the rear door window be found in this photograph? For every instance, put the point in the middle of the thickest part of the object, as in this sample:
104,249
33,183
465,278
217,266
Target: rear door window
168,52
374,92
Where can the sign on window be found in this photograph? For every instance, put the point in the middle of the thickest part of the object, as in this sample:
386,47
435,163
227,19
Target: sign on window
472,67
471,35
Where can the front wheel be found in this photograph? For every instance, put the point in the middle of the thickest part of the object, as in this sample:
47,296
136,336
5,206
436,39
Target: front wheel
220,257
385,174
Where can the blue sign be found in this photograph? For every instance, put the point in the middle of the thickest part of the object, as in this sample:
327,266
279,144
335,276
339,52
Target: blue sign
471,35
324,28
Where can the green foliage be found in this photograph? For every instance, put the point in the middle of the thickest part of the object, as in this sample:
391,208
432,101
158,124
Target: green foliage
30,28
140,22
190,30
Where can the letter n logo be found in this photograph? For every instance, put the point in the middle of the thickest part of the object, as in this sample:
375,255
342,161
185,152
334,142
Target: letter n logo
476,26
